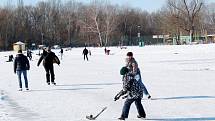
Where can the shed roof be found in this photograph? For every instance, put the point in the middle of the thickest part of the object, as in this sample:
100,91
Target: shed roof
19,43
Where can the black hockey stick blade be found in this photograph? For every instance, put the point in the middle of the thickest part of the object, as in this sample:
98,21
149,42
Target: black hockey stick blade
90,117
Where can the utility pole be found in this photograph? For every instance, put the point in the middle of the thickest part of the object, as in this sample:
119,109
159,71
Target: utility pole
138,34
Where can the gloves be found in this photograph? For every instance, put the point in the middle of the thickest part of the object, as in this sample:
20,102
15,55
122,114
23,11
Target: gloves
119,95
124,96
116,97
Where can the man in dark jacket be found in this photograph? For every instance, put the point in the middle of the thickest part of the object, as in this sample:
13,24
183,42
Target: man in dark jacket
85,52
49,58
134,93
21,65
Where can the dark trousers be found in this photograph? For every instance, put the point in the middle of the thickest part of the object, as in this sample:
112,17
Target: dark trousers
127,105
85,56
49,70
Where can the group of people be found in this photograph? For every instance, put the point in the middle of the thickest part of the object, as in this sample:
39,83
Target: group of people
21,65
133,87
107,52
10,58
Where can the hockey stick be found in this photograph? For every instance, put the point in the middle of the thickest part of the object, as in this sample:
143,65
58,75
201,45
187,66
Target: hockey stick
90,117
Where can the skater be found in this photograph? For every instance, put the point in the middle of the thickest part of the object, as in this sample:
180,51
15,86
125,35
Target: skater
49,58
107,52
90,52
132,65
85,53
133,92
21,65
61,53
29,54
10,58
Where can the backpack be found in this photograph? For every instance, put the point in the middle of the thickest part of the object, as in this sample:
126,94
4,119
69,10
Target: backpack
56,60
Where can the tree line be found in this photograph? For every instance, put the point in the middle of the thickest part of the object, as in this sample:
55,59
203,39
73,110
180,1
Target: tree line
100,23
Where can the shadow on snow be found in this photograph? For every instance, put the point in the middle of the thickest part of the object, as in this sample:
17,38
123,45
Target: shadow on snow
78,87
184,97
35,90
184,119
98,84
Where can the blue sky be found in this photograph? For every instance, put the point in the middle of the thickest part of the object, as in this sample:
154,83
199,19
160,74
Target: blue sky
149,5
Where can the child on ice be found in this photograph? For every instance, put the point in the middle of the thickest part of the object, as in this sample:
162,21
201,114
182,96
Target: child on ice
134,93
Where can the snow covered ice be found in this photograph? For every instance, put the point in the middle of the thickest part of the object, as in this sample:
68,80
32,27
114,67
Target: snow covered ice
180,80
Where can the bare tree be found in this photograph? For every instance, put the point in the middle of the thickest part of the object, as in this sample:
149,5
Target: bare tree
100,23
110,17
210,17
188,12
92,23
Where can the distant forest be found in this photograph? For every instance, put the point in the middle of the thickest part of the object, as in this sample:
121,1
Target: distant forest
99,23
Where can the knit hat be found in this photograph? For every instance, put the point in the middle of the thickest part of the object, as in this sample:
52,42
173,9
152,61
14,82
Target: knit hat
123,70
129,54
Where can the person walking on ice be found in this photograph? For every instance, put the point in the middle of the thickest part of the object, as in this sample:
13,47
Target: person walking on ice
132,66
49,58
133,92
29,54
21,65
61,53
85,53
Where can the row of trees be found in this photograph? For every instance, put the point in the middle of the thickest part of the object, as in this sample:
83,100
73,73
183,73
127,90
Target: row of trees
99,23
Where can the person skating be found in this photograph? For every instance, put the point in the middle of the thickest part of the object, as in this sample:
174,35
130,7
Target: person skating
132,65
29,54
49,58
61,53
133,92
85,53
21,65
